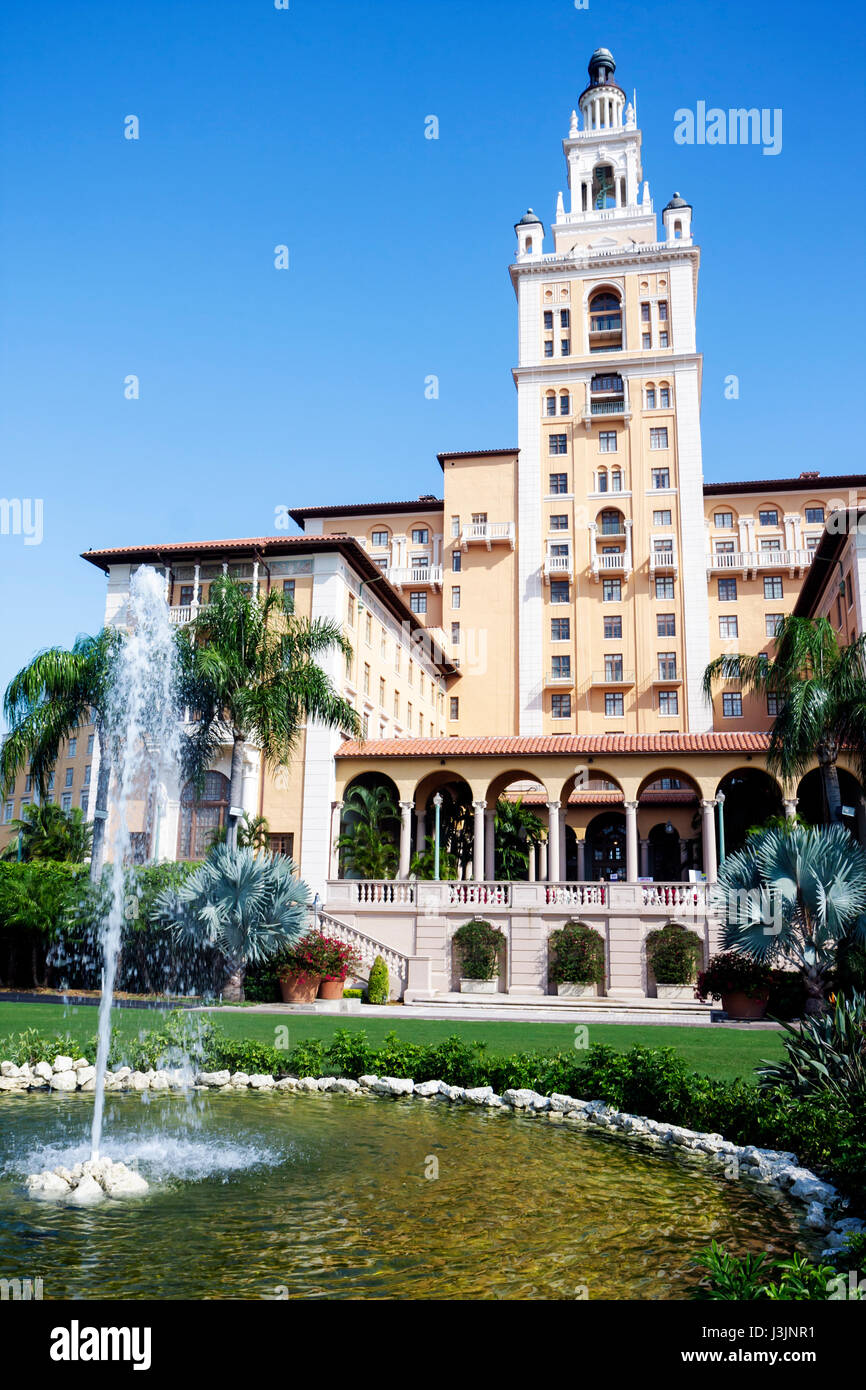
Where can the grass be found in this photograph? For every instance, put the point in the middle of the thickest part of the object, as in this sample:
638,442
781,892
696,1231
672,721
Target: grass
714,1051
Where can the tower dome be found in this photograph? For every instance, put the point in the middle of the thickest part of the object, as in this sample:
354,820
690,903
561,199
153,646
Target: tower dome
601,66
602,103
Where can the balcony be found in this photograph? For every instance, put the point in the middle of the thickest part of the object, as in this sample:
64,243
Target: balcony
488,533
558,567
751,562
416,576
613,680
611,564
663,562
557,681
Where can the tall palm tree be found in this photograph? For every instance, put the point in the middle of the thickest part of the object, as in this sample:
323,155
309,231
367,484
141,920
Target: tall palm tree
44,831
248,668
821,687
516,829
46,703
368,847
796,895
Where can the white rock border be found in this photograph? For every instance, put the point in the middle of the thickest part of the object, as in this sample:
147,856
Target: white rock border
823,1203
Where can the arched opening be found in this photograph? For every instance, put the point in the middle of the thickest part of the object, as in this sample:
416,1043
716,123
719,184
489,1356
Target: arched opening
456,826
603,187
670,826
369,828
605,322
752,797
665,864
203,816
812,800
515,827
605,848
550,402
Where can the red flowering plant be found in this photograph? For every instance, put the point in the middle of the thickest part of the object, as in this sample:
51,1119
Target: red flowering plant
318,955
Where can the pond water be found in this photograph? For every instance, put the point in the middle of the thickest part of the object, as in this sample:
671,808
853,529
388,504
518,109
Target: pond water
274,1196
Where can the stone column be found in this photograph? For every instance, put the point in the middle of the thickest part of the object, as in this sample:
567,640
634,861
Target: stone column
553,841
542,861
479,808
581,861
421,832
644,858
563,845
336,815
708,809
196,583
490,843
631,841
531,869
406,809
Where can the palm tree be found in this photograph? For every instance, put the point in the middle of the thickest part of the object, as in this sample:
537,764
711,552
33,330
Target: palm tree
47,832
245,905
367,847
248,668
516,829
46,703
796,895
821,687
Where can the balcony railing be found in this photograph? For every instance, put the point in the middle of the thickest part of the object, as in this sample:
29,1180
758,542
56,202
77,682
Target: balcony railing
663,562
416,575
558,566
607,407
613,677
480,894
562,679
616,562
745,560
488,532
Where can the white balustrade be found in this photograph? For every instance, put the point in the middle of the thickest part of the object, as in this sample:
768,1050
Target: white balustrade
480,894
575,894
367,947
383,891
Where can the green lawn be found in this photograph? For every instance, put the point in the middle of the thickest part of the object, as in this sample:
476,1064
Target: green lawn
716,1051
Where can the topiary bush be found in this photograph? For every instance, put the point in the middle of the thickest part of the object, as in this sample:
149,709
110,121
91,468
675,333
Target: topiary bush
673,952
579,955
379,983
479,944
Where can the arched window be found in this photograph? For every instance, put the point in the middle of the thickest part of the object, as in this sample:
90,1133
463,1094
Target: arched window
605,322
564,403
202,816
611,522
603,189
616,480
650,396
602,480
678,228
550,402
664,395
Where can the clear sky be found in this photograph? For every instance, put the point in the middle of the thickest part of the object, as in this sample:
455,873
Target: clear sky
305,127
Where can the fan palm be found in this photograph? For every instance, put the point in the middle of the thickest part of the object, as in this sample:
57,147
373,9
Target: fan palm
46,703
821,689
44,831
795,895
516,829
367,847
248,668
247,906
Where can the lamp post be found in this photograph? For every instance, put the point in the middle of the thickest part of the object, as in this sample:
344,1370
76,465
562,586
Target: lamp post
720,798
437,802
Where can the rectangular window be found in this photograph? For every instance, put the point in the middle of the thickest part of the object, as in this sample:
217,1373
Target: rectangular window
814,516
613,629
613,666
557,443
383,644
420,536
455,527
728,627
559,522
350,610
774,544
548,318
551,404
774,704
66,802
661,477
366,678
455,595
773,586
90,738
28,783
723,520
560,629
456,561
558,483
663,310
73,747
664,586
87,775
564,318
368,630
8,812
663,547
565,347
69,776
768,516
560,591
560,667
661,518
607,441
669,702
663,340
365,726
455,633
727,590
418,601
381,540
559,551
646,340
732,705
667,666
396,704
560,707
614,704
772,623
666,625
659,437
611,591
454,707
724,547
548,347
650,398
409,715
564,403
665,398
645,313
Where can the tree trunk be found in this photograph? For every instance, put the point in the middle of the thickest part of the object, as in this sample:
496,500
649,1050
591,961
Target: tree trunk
233,988
38,984
236,788
816,1002
100,812
830,781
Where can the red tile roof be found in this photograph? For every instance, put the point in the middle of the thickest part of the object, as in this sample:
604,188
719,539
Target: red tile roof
554,745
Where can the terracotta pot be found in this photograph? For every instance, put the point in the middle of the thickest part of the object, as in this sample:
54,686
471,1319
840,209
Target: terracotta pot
298,989
740,1005
331,989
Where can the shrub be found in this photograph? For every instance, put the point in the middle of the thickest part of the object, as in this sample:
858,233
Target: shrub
757,1277
673,953
479,944
36,903
732,973
325,956
579,955
825,1054
379,983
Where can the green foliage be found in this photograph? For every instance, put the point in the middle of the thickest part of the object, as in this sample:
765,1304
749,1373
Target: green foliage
37,897
379,983
46,832
479,944
317,954
368,847
825,1055
516,829
758,1277
729,972
673,953
424,865
579,955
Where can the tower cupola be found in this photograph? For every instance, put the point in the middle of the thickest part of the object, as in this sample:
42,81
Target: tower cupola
530,234
677,219
602,103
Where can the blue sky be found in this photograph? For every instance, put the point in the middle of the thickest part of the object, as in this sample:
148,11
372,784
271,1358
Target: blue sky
305,127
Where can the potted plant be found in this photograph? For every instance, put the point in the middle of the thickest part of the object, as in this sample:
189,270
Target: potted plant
743,985
479,944
335,960
578,967
319,965
673,953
